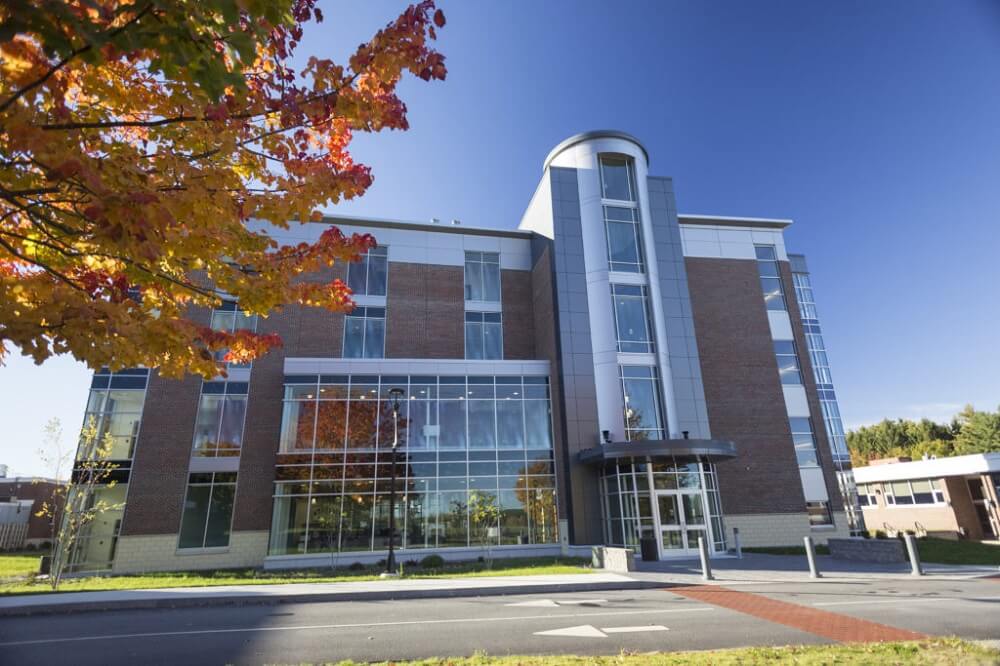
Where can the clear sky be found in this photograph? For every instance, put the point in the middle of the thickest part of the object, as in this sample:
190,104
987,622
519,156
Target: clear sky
875,126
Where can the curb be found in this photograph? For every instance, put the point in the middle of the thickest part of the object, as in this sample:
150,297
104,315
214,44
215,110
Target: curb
248,599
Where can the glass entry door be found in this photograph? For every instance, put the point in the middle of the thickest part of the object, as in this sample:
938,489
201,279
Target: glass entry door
682,519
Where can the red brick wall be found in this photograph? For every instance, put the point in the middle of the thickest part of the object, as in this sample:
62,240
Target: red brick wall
518,314
39,527
742,389
425,311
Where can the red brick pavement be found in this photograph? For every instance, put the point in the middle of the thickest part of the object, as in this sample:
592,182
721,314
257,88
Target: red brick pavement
837,627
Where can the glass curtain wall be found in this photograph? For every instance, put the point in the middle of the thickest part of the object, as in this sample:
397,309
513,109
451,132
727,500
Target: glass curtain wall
457,435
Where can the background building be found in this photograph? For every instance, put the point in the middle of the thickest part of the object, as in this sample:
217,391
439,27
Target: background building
611,370
956,497
21,498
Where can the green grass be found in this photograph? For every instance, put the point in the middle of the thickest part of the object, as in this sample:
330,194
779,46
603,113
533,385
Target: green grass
14,566
944,551
936,652
501,567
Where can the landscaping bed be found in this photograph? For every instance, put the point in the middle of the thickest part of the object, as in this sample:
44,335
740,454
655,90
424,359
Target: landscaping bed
22,581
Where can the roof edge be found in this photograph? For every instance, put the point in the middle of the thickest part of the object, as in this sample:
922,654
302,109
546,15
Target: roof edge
588,136
729,221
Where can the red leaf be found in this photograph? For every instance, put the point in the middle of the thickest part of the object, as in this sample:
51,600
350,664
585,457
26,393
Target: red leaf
439,18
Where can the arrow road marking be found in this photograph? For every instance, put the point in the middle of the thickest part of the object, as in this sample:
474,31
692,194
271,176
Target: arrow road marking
581,631
590,631
630,630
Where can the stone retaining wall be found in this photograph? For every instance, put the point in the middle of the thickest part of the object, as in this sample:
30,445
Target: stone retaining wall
868,550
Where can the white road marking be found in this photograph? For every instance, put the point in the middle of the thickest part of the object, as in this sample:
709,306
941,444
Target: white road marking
633,630
581,631
315,627
537,603
580,602
902,601
550,603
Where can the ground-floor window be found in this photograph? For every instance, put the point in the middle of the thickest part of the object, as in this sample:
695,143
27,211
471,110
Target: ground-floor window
208,510
819,513
94,547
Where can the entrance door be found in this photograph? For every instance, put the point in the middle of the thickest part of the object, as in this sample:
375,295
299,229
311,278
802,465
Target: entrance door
683,519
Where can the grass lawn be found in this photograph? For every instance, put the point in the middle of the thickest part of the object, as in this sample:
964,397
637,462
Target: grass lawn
18,565
944,551
940,551
501,567
937,652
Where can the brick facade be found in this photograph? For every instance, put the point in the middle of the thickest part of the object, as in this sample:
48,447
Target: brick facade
742,389
425,310
518,315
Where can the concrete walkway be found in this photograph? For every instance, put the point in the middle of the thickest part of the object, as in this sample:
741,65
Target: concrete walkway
760,568
407,588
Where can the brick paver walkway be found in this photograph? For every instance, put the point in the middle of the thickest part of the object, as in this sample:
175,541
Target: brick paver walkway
837,627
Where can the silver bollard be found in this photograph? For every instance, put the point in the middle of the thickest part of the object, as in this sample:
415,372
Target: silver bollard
911,550
706,566
736,542
811,556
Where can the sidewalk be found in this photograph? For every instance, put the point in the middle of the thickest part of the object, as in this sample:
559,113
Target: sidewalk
760,568
407,588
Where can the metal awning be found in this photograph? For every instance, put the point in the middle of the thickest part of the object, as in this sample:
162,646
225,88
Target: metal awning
712,449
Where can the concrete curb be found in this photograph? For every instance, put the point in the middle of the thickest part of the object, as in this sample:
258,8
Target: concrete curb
246,599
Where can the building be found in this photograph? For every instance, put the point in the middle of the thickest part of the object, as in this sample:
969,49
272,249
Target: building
21,498
610,370
954,498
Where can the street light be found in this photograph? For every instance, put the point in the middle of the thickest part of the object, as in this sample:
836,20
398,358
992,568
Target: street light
390,561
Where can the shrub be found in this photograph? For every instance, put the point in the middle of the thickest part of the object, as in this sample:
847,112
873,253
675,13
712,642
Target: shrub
411,563
432,562
356,566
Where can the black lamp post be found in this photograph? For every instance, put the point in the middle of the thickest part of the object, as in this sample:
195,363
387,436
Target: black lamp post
390,561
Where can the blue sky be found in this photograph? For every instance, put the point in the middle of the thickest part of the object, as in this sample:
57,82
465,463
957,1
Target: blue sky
873,125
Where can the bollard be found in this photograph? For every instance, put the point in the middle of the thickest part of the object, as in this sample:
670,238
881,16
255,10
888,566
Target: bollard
811,556
911,550
706,566
736,542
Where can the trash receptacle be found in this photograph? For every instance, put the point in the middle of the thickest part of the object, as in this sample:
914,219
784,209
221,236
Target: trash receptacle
647,546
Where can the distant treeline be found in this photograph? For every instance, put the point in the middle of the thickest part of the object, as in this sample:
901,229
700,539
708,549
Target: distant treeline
971,431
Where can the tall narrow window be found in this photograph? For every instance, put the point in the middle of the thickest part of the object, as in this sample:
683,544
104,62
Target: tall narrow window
805,443
482,276
624,247
631,312
364,333
230,318
617,179
218,430
115,408
819,513
368,277
643,407
483,335
770,278
208,510
788,362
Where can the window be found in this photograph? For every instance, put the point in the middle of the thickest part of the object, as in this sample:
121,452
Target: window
788,362
483,335
624,247
229,318
805,444
866,494
482,276
115,407
643,408
364,333
770,278
208,510
631,312
617,179
819,513
367,277
218,430
919,491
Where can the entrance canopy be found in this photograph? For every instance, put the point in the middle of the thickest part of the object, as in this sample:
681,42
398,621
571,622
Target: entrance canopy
709,449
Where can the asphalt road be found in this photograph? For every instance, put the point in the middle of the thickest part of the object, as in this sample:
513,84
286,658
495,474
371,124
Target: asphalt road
583,623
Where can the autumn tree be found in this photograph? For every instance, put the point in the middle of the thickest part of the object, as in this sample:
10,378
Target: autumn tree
139,140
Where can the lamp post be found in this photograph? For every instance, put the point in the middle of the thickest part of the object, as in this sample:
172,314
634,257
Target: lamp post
390,561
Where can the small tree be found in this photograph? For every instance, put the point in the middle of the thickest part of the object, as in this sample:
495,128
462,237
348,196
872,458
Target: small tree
484,518
58,460
76,505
